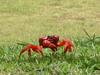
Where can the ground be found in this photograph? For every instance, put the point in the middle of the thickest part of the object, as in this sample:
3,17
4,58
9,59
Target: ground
27,20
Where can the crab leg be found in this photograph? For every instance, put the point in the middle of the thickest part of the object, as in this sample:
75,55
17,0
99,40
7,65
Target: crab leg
29,47
67,45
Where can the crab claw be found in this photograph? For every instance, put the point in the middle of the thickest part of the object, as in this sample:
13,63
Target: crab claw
68,45
53,39
30,47
48,44
41,39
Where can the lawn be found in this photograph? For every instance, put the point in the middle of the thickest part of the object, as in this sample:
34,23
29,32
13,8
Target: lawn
27,20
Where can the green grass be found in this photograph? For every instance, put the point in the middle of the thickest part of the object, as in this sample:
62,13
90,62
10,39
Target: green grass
84,60
27,20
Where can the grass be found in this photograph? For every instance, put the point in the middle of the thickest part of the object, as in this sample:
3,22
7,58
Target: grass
83,60
31,19
27,20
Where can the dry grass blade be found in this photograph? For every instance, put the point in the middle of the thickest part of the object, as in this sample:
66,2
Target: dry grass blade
22,43
87,33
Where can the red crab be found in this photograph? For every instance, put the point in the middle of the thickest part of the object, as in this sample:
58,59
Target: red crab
51,42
